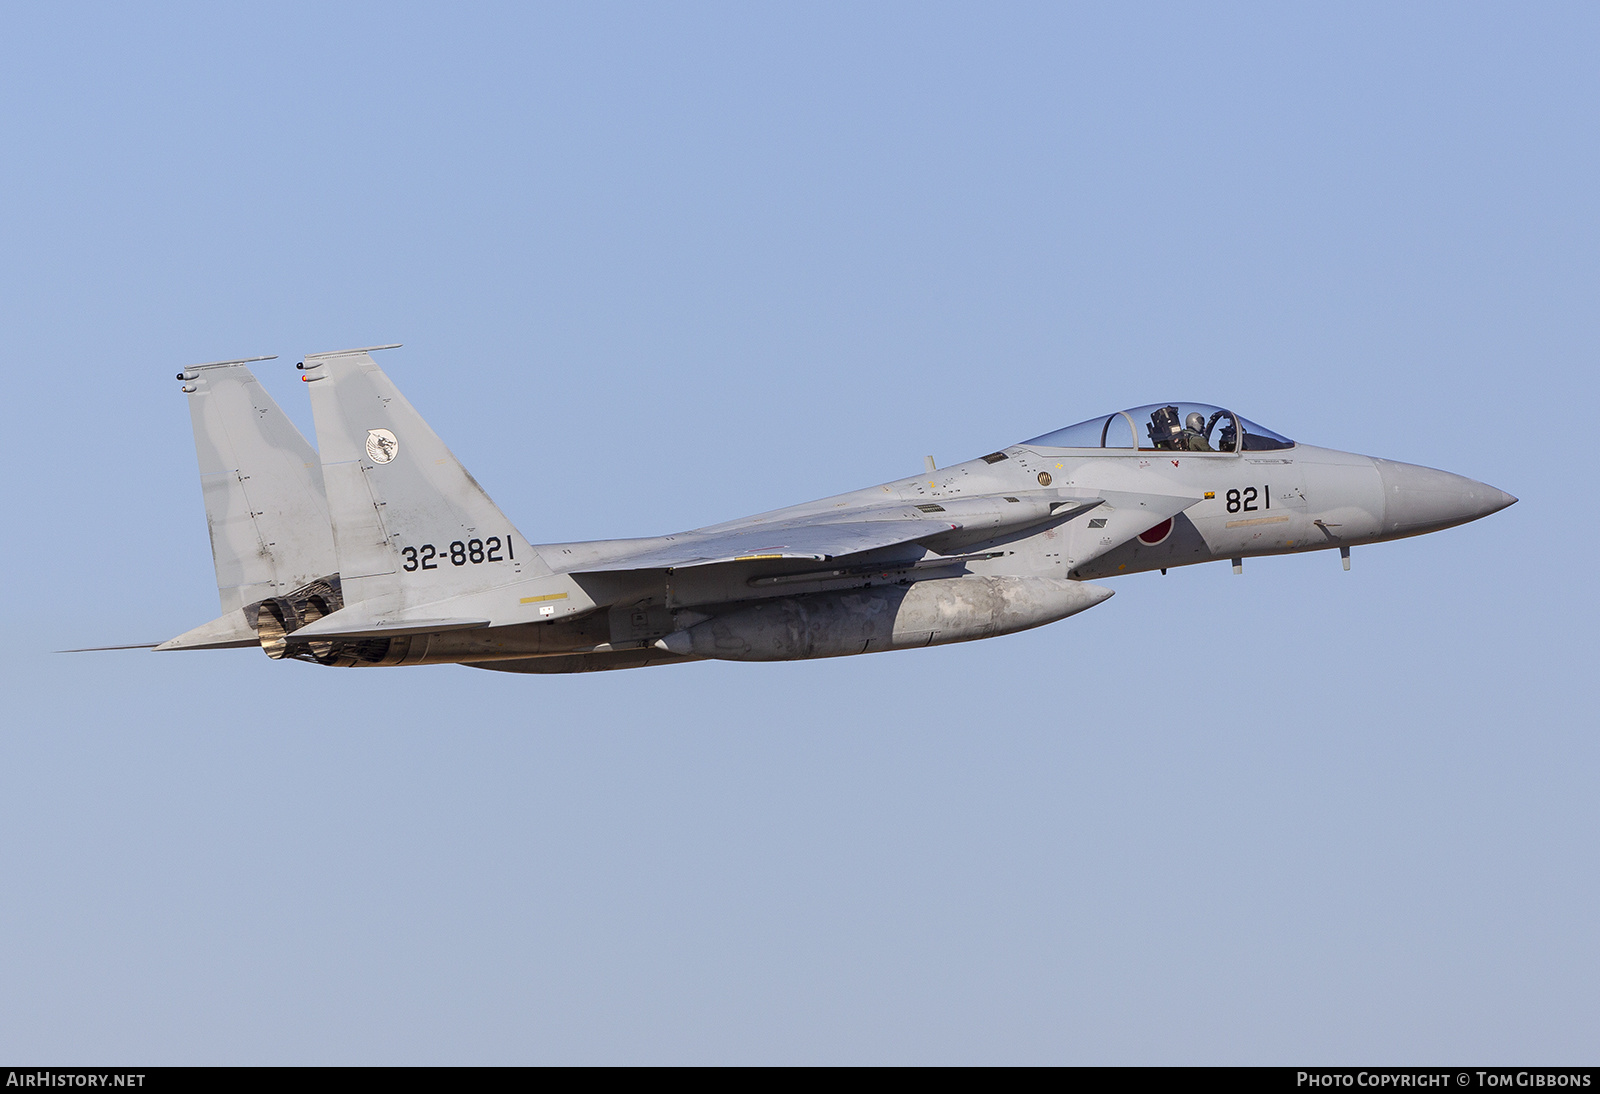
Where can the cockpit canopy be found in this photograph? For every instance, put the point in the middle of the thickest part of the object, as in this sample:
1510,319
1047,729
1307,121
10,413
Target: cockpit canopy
1167,427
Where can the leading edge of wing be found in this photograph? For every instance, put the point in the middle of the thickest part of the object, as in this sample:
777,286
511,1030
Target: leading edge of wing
816,542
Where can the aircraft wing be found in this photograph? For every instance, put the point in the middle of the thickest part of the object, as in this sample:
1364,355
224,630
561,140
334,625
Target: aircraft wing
820,536
814,541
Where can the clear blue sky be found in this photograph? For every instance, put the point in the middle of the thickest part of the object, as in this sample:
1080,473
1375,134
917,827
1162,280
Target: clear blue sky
657,266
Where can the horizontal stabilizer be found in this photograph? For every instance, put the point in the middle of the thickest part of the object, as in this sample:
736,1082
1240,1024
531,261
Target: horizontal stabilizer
103,649
229,631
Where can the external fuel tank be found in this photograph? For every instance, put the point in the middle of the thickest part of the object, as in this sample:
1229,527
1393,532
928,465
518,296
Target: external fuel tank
889,617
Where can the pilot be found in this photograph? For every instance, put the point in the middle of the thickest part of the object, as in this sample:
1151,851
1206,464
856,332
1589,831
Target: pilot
1193,439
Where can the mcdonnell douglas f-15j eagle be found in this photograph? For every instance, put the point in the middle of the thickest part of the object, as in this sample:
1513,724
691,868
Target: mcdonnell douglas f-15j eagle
383,550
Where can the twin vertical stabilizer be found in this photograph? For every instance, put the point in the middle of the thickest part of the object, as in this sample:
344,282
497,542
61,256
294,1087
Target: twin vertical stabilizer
384,520
262,484
411,526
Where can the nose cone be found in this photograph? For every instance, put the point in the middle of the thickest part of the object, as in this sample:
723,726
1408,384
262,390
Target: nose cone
1421,499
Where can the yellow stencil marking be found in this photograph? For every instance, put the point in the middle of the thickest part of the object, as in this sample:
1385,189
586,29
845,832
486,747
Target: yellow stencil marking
747,558
1258,520
542,599
1210,494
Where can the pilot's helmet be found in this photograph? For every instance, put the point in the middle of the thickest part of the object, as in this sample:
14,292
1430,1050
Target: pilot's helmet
1196,421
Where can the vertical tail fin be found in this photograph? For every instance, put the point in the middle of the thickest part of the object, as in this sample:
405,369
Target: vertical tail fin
410,525
262,484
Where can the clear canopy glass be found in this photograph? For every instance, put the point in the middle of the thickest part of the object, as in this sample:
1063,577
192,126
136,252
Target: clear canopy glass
1167,427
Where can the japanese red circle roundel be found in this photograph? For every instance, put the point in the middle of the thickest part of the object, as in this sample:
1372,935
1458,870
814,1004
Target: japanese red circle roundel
1152,536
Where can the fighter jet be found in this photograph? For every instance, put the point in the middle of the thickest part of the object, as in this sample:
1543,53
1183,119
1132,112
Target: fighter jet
379,548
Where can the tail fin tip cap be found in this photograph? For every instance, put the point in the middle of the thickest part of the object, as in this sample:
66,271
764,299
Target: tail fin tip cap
225,364
347,352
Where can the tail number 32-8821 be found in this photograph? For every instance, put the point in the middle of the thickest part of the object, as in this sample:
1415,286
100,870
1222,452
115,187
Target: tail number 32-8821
459,553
